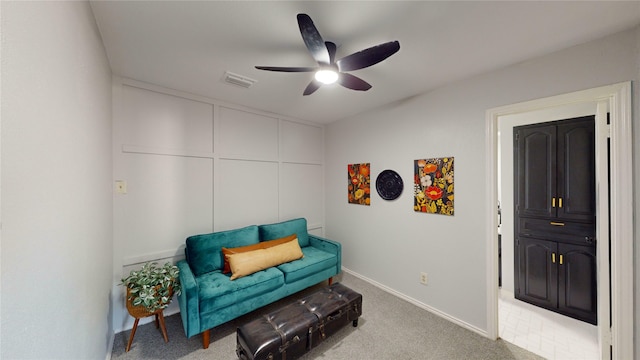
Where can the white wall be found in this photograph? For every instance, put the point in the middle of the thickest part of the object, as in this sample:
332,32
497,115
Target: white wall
56,183
193,165
636,188
390,243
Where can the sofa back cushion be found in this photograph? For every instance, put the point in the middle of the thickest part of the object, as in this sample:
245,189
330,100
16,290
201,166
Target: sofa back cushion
204,252
286,228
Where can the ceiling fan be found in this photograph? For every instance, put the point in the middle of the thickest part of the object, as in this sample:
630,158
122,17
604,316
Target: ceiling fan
330,70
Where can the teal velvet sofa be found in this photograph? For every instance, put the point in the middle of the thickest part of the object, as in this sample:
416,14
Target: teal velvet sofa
209,298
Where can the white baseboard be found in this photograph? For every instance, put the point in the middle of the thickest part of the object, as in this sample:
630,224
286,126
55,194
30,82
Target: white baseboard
112,338
506,294
419,304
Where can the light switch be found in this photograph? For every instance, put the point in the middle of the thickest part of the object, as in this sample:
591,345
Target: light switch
121,186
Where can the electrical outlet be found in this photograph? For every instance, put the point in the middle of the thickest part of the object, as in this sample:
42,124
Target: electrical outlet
423,278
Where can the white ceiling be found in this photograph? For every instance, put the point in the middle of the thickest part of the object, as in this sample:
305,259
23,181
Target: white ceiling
188,46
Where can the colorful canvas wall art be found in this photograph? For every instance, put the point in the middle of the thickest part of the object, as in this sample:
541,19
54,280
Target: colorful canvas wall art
433,186
359,183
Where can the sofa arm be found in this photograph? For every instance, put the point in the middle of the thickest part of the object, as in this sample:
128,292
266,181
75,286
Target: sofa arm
330,246
188,300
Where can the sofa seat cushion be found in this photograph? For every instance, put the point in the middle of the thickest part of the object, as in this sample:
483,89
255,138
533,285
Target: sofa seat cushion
314,261
216,291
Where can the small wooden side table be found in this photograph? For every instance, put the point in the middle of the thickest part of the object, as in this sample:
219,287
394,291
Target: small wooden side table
139,312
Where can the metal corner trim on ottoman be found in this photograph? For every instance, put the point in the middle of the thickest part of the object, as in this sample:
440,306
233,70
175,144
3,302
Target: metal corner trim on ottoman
294,329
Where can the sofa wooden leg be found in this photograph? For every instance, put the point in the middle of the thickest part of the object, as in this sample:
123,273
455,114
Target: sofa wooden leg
205,339
330,281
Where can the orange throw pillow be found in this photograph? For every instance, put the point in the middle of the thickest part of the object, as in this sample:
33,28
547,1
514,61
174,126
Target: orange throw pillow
261,245
247,263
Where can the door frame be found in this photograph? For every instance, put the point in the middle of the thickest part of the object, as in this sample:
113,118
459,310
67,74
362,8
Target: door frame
617,98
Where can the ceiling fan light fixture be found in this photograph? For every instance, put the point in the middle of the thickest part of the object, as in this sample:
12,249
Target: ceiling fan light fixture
326,76
331,70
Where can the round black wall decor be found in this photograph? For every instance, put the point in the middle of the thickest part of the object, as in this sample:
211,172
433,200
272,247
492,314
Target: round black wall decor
389,185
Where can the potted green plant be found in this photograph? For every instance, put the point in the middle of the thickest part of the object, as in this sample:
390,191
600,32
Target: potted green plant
152,287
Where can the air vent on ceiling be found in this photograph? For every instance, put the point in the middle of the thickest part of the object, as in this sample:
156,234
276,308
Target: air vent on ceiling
238,80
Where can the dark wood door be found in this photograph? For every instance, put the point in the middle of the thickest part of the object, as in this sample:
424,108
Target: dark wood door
537,272
535,170
554,170
576,174
554,220
577,295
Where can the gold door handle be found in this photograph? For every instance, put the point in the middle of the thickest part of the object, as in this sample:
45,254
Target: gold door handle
553,202
560,259
559,202
556,223
553,258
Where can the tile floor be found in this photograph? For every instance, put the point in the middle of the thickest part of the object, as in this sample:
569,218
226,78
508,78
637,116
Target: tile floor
545,333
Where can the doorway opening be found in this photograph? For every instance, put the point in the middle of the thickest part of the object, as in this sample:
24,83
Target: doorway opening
548,232
615,99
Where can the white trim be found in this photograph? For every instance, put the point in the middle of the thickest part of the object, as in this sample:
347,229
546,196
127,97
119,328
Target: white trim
622,274
134,149
112,338
217,208
491,148
417,303
619,98
602,228
207,100
176,254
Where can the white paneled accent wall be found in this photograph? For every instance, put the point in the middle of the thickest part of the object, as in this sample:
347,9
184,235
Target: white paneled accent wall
247,193
247,135
301,191
158,121
192,165
301,143
168,198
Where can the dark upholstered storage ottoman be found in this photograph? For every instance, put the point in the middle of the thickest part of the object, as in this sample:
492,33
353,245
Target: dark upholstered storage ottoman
295,329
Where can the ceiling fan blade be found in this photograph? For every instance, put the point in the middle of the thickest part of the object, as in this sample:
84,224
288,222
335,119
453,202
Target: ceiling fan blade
353,82
287,69
312,87
313,39
331,47
368,57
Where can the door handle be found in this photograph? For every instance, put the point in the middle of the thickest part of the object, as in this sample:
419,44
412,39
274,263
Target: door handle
553,258
560,259
559,202
556,223
553,202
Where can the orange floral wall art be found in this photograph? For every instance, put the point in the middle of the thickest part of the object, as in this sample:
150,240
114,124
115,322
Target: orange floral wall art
433,186
359,184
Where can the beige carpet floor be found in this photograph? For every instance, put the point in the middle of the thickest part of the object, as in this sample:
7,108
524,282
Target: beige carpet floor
390,328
